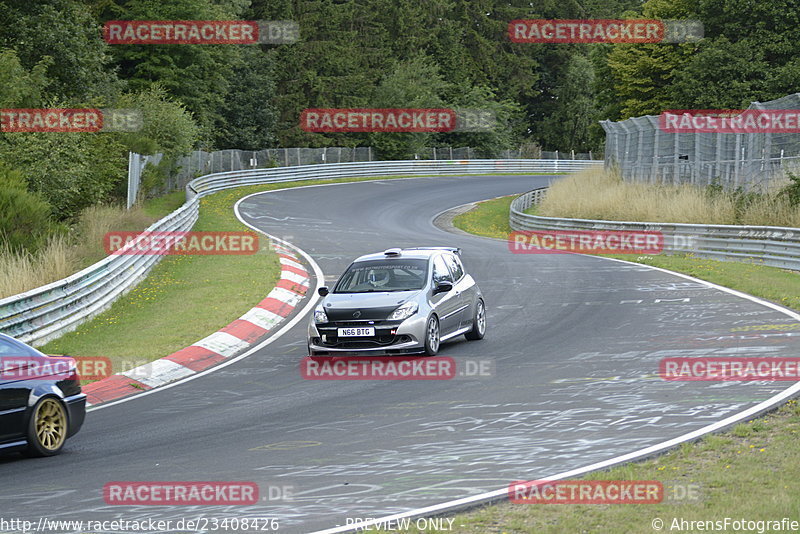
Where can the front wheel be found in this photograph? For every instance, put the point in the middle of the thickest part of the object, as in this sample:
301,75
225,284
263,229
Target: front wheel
478,322
47,428
432,336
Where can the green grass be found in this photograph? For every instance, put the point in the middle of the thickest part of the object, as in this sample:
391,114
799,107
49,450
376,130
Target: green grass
751,471
489,218
164,205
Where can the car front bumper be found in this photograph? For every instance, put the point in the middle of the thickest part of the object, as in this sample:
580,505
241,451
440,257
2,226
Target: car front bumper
409,337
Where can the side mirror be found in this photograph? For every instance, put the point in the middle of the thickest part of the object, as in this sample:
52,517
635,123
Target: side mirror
442,287
323,290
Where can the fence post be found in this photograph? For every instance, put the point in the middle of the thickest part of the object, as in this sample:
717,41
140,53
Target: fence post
656,143
738,151
696,165
134,175
676,158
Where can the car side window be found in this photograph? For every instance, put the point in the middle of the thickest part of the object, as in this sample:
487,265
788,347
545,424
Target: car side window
455,266
440,271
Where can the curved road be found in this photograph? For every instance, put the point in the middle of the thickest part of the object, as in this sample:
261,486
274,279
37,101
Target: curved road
574,342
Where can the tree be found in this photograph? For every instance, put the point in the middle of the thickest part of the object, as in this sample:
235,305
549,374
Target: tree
20,87
414,83
80,69
570,125
247,117
199,76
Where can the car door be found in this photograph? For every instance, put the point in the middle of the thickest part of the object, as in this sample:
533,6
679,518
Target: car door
14,390
463,287
447,304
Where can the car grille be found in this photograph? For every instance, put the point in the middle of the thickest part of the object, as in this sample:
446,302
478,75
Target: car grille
380,340
342,324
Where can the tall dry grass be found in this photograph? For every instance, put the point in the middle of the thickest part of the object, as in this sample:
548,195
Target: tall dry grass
96,221
601,194
21,271
63,255
772,210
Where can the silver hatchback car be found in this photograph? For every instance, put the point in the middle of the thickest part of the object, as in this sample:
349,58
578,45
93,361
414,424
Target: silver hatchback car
399,301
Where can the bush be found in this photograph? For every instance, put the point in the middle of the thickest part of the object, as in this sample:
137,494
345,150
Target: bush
24,216
71,170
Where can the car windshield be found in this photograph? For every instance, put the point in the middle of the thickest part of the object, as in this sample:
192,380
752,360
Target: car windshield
383,275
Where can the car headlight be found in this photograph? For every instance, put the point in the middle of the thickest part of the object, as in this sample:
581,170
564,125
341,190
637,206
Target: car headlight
404,312
320,316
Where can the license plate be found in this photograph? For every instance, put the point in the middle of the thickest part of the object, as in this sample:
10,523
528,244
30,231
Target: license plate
362,331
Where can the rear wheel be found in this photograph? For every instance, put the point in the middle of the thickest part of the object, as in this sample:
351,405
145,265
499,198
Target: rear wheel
478,322
47,428
432,336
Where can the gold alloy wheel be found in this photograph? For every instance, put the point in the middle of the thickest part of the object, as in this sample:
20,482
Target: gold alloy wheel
51,424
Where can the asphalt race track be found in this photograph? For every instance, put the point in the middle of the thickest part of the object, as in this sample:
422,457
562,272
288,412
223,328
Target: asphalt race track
574,343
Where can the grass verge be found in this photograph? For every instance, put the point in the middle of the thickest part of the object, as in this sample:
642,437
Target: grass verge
751,471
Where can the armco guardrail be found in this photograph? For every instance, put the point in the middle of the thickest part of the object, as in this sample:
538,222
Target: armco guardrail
45,313
216,182
768,245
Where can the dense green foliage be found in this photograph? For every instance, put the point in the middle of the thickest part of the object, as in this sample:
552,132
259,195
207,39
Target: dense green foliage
24,216
363,53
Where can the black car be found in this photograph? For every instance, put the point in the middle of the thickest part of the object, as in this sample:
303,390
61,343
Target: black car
41,404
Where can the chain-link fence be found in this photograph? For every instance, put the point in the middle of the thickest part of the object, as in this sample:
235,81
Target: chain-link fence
752,161
460,153
200,163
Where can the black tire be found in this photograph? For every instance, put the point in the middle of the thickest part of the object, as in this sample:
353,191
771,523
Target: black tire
478,322
433,336
47,428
